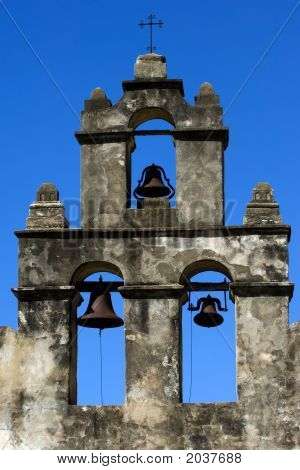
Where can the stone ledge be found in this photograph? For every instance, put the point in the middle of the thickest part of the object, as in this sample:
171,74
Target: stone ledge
101,409
152,291
204,231
209,134
103,136
214,405
264,205
154,83
261,289
205,134
28,294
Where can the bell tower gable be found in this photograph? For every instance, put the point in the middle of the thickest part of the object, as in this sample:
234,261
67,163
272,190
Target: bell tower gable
108,135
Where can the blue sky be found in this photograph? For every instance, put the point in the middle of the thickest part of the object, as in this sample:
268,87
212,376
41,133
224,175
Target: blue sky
53,53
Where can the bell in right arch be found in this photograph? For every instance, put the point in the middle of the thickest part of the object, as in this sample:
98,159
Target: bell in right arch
208,316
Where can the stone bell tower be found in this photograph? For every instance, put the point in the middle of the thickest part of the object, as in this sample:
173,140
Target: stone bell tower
155,248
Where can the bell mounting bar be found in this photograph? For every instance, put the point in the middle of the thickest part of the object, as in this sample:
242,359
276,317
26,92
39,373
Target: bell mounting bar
153,132
88,286
207,286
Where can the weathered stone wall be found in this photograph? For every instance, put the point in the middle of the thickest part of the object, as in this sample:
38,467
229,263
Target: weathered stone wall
262,344
43,376
292,409
153,256
32,414
104,174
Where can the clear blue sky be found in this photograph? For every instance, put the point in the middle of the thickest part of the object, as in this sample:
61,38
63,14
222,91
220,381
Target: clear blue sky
249,51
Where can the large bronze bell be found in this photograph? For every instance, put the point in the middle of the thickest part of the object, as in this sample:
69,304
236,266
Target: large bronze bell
100,313
208,316
151,184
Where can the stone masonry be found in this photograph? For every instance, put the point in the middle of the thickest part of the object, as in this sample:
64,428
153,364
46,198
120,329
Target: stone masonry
155,249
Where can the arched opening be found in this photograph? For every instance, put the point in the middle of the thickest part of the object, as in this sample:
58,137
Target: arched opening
149,114
208,353
154,145
100,358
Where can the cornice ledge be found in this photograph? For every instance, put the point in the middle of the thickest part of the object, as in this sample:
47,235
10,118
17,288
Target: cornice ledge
45,293
261,289
178,231
152,291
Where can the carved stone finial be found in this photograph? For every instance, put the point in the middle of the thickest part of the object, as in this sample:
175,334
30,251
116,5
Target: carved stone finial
47,192
97,94
98,100
208,104
207,96
47,211
206,89
263,192
263,209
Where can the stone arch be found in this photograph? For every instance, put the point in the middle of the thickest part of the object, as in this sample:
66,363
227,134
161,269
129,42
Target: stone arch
156,141
148,114
85,347
208,341
203,265
91,267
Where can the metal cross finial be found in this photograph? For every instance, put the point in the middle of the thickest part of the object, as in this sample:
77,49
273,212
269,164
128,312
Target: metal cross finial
151,23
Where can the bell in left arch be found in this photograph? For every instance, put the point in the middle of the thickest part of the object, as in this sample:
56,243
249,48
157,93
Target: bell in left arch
100,313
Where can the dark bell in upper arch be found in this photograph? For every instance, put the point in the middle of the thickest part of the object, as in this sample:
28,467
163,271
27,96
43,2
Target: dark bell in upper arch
151,184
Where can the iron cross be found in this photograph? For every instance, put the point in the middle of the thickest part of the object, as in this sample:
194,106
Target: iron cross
151,23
